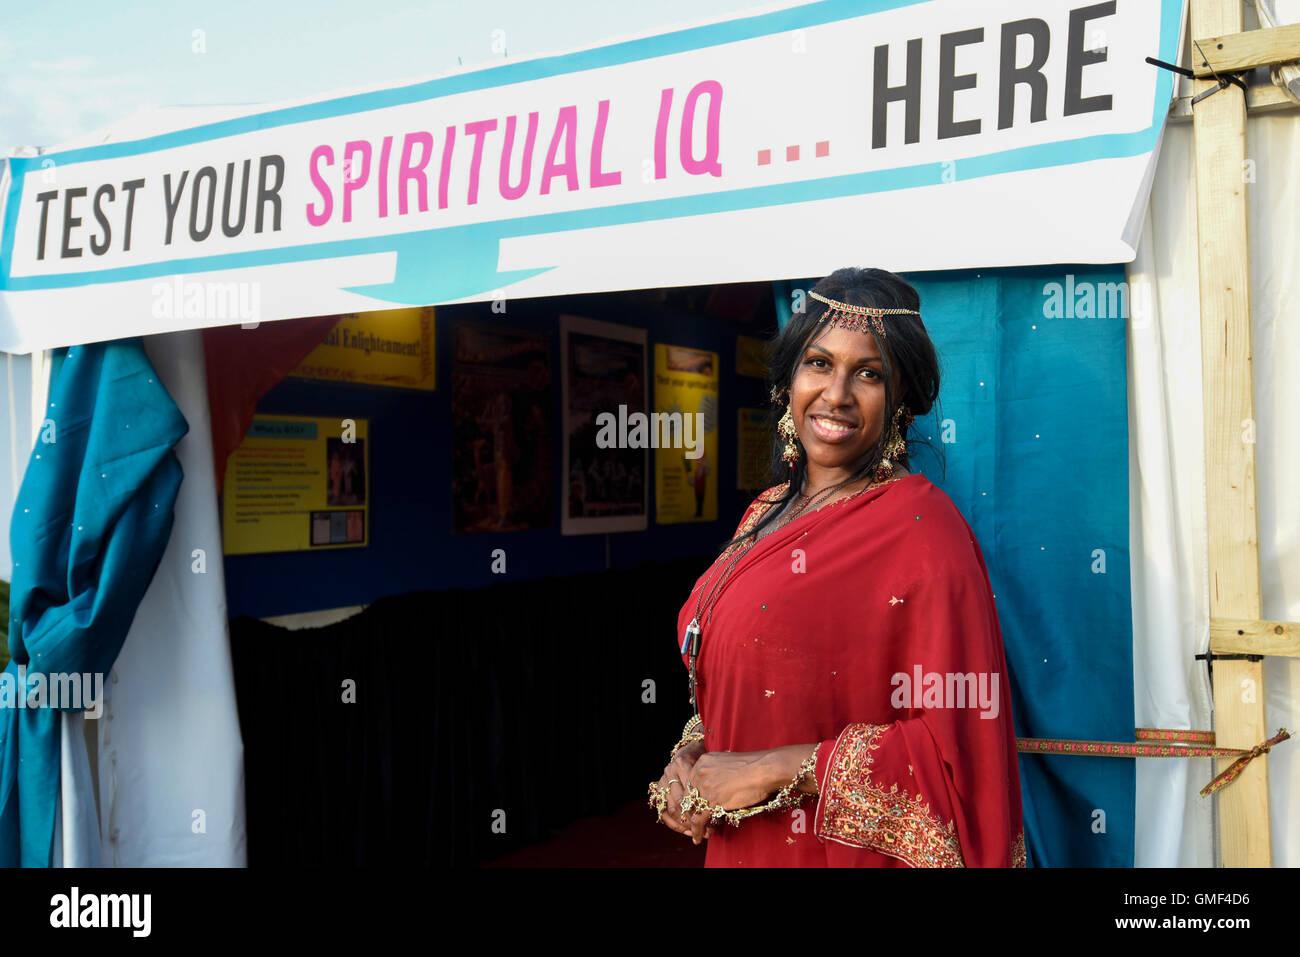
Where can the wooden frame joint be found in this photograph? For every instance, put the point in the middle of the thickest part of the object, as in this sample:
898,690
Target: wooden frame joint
1240,52
1241,636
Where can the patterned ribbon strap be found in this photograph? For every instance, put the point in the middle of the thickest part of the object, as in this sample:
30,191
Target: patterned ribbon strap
1232,770
1188,744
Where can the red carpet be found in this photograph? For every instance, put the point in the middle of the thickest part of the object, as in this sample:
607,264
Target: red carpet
628,838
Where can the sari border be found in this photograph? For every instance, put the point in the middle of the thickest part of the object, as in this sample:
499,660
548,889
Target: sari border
862,813
821,784
1018,858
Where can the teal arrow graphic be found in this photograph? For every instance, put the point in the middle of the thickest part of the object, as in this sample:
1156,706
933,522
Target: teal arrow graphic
441,265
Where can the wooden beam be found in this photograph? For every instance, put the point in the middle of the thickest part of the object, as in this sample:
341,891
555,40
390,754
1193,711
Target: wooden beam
1260,98
1234,52
1229,637
1219,132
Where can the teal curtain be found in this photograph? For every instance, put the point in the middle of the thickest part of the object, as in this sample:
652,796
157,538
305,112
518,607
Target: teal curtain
90,525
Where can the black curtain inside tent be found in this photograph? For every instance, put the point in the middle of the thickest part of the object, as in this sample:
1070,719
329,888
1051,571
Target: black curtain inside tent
451,727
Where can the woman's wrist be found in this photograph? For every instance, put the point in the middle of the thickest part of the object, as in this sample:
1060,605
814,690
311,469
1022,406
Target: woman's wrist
689,748
782,764
692,734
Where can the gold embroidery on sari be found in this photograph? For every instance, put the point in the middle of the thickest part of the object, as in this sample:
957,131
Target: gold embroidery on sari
1018,851
862,813
765,501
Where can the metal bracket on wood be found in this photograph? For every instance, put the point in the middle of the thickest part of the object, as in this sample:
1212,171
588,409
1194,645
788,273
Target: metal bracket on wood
1223,81
1210,657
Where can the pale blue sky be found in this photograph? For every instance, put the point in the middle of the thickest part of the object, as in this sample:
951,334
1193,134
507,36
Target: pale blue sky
70,68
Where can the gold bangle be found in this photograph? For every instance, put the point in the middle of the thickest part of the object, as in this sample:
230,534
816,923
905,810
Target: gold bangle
690,734
661,794
689,739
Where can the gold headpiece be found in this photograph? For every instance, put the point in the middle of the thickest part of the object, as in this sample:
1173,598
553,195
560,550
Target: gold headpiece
856,317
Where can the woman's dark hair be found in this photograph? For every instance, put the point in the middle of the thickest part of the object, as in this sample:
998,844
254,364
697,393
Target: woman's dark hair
906,350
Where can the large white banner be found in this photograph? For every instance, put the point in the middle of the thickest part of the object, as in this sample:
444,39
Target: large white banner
905,134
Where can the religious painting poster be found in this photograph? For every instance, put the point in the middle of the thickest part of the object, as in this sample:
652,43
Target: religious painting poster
297,483
501,409
684,434
606,458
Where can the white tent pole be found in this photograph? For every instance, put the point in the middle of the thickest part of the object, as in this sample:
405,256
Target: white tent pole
41,362
15,471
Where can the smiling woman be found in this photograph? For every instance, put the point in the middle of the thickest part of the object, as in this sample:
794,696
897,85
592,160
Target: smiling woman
848,574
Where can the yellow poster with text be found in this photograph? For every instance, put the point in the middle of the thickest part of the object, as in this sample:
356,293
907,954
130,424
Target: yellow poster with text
751,357
392,347
753,450
684,433
297,483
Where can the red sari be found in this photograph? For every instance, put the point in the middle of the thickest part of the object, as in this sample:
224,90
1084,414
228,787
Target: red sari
869,626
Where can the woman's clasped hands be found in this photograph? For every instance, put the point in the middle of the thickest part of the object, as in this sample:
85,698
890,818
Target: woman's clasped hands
726,779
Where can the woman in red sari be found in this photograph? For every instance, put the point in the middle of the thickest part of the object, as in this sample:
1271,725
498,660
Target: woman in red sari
845,644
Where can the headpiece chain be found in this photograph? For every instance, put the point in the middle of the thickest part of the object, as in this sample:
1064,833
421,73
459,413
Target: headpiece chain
856,317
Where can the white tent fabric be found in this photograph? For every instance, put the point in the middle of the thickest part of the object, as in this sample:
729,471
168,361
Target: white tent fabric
1170,575
171,774
16,441
76,826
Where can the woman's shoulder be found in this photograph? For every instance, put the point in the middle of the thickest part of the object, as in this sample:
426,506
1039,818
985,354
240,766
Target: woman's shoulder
765,500
928,508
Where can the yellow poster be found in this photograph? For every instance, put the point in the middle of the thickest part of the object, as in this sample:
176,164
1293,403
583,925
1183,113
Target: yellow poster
753,450
751,357
684,434
297,484
391,348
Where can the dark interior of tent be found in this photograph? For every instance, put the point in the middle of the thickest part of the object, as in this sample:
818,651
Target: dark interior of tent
506,693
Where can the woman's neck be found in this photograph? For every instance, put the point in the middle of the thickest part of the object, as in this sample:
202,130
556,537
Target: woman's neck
818,479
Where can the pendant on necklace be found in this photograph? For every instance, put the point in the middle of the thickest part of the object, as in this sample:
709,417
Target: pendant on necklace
691,640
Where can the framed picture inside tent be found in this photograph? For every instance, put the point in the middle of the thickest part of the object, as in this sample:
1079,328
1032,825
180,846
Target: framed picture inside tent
501,400
606,463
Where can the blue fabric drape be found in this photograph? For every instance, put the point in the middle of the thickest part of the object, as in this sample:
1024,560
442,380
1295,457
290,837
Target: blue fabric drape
1032,428
90,525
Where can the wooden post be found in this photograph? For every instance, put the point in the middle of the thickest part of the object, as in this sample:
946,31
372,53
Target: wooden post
1219,130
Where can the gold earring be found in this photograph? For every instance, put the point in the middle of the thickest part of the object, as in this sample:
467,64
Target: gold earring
785,428
895,446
